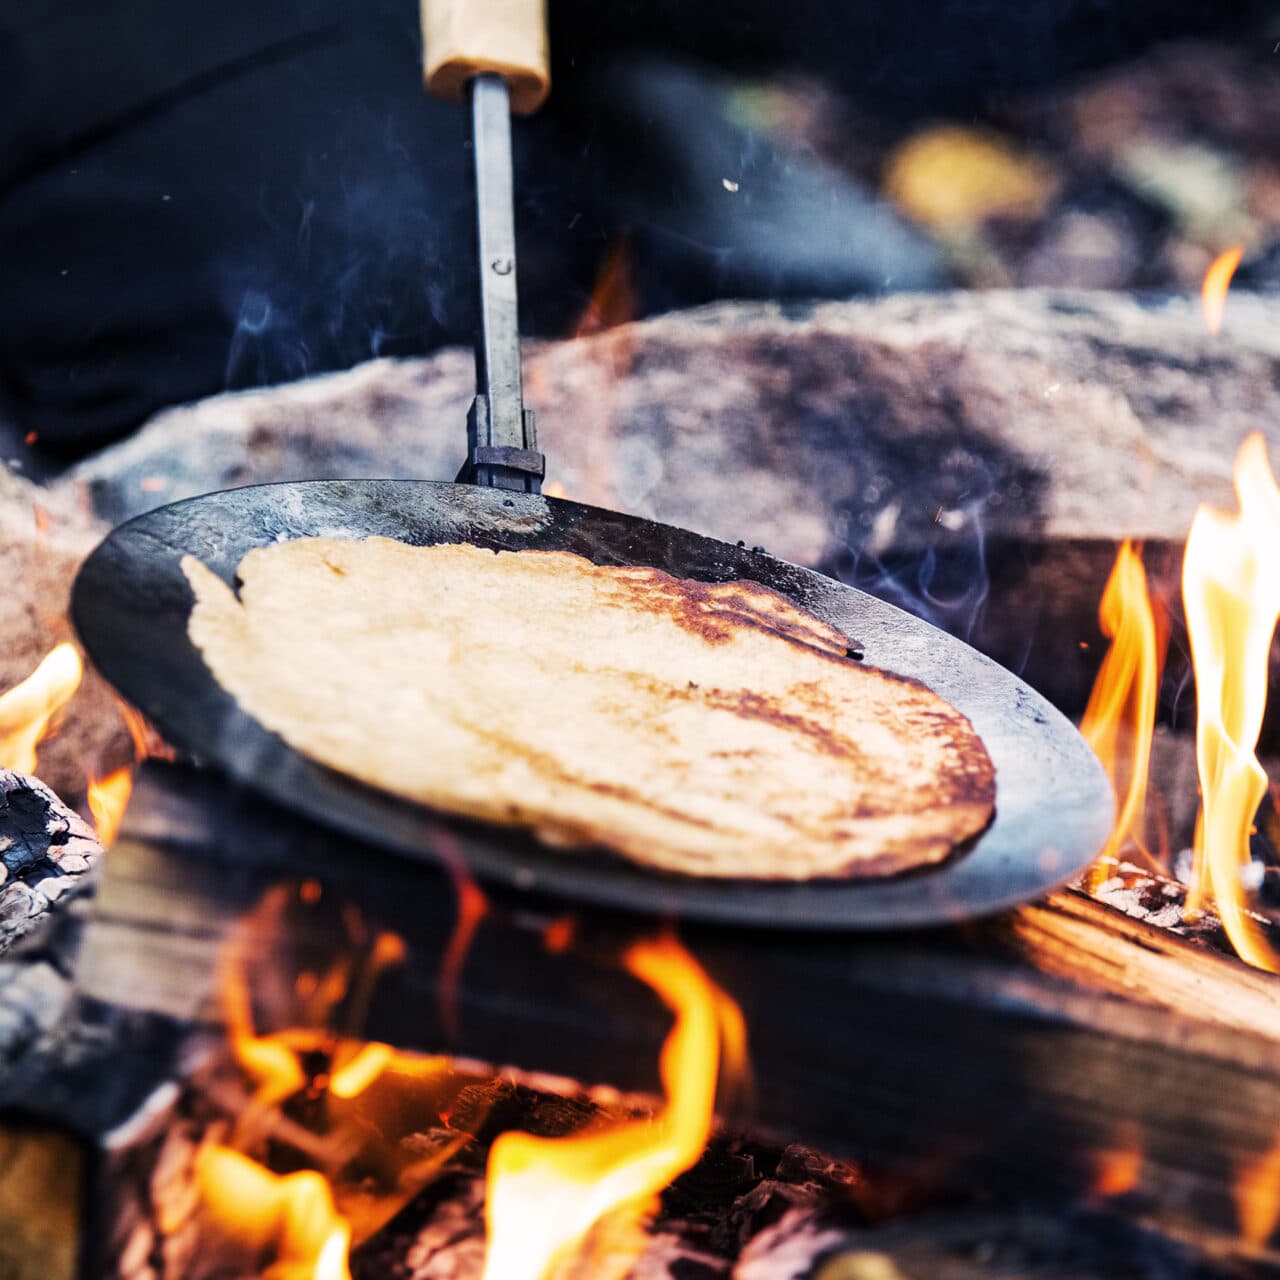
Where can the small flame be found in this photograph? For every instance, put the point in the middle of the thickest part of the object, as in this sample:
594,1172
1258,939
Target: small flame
1257,1196
613,300
1217,280
108,799
27,709
473,906
1231,597
544,1195
1120,719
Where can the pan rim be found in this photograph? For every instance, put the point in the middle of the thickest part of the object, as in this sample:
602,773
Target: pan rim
119,582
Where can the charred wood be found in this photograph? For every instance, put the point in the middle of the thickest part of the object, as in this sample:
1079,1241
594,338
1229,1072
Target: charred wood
48,856
1024,1055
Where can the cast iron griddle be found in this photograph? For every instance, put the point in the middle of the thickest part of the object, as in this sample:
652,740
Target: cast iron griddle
131,604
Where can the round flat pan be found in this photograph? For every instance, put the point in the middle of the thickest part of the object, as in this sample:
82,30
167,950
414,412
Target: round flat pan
131,604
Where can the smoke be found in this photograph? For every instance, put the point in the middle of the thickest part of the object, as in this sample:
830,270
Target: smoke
946,582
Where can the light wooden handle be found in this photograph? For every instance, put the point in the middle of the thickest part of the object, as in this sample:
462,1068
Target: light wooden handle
463,38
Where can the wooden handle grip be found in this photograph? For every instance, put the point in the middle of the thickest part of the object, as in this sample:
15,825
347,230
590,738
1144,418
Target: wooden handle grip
462,38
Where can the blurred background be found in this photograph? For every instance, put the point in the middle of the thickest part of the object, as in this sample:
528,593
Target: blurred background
195,198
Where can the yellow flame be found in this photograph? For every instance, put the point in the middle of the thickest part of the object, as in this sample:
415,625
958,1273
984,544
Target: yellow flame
1120,719
1217,280
544,1195
291,1219
25,711
355,1076
108,798
1231,597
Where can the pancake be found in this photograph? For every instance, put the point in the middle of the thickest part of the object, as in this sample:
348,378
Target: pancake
702,729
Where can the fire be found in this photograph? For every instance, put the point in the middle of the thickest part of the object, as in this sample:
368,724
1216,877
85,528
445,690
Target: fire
613,300
1119,1168
473,906
362,1099
1217,280
1120,719
1257,1196
1231,596
544,1195
291,1219
108,798
27,709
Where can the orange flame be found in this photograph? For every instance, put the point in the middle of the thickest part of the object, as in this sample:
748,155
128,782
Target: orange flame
613,300
473,906
1217,280
27,709
1257,1196
108,798
1231,597
1120,719
1119,1168
545,1195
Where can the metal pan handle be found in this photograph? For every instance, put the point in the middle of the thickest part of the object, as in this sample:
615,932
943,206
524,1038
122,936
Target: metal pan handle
494,51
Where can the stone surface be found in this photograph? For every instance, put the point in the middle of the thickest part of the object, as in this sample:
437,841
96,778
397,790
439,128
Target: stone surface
44,536
822,429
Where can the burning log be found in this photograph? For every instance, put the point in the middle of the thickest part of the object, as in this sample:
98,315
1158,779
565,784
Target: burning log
953,1058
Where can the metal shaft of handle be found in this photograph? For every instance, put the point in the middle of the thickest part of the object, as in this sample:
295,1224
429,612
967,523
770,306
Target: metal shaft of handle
502,437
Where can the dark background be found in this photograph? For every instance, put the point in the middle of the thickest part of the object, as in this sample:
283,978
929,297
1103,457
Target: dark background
196,197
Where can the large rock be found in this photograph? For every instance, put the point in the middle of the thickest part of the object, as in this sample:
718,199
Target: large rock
975,455
44,536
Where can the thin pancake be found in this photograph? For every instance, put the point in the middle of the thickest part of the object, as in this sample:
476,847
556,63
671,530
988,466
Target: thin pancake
713,730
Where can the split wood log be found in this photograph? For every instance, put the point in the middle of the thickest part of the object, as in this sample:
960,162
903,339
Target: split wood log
1027,1055
976,455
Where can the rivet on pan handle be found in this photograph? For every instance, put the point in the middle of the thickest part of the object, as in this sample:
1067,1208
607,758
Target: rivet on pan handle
494,51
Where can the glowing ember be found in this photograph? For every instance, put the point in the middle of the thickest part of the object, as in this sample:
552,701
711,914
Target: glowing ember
545,1195
27,709
1217,280
1231,596
108,798
1120,719
1119,1167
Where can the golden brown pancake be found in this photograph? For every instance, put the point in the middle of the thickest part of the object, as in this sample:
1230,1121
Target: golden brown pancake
712,730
